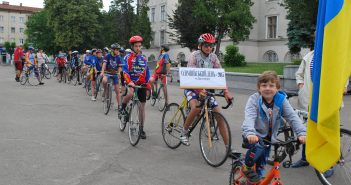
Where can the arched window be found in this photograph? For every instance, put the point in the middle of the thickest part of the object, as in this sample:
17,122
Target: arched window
290,58
270,56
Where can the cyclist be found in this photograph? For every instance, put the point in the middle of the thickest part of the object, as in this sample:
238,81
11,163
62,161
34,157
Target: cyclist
41,58
264,112
75,63
18,57
203,58
94,67
136,72
112,65
60,61
162,67
31,63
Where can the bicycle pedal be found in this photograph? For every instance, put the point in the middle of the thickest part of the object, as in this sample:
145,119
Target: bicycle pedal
287,164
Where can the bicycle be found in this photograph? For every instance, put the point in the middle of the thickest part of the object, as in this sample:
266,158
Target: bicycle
132,117
45,71
108,94
30,75
160,94
74,75
210,140
237,176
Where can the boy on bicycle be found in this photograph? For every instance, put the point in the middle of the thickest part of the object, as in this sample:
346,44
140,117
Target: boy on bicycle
203,58
112,65
31,63
136,72
263,116
162,67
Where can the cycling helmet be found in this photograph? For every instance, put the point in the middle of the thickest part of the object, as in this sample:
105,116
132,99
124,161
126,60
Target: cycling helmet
99,51
75,52
106,49
165,48
30,48
121,50
207,37
128,50
135,38
87,51
93,50
115,46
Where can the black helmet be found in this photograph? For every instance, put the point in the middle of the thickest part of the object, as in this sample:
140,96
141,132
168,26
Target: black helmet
115,46
93,50
165,47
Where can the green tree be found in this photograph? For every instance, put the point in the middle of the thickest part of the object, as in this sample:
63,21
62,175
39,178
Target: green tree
232,57
39,32
302,15
142,25
75,23
186,25
226,17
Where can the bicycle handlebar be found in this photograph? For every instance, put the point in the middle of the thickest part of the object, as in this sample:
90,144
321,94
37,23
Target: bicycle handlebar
210,94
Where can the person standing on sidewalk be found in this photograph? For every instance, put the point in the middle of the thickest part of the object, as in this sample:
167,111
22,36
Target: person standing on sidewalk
18,57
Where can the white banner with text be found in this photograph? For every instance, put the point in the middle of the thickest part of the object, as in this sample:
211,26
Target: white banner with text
202,78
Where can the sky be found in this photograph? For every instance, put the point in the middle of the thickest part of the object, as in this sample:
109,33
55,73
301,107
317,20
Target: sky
39,3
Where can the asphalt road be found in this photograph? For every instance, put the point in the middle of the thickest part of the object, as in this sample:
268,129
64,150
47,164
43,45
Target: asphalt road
54,135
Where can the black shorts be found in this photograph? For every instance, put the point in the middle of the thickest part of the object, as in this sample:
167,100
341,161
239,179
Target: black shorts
60,69
141,95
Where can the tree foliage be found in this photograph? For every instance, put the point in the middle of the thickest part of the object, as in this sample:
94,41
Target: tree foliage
302,15
142,24
220,17
39,32
232,57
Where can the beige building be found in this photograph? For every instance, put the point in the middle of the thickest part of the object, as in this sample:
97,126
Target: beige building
267,41
12,22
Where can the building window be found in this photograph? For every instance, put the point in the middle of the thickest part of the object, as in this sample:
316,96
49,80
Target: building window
13,18
272,27
1,29
1,18
152,39
13,29
1,39
21,41
21,19
163,13
162,37
152,14
270,56
21,30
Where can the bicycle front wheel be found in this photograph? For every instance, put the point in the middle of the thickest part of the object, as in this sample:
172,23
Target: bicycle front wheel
220,136
88,87
342,172
108,99
23,79
161,98
172,122
134,124
47,74
33,78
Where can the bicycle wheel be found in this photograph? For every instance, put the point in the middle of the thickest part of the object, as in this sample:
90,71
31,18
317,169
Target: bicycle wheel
74,78
88,87
54,71
342,172
218,153
153,98
235,176
32,78
47,74
97,87
134,124
173,119
148,94
23,79
161,98
108,99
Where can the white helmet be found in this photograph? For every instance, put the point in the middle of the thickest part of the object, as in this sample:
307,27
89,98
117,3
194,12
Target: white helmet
128,50
87,51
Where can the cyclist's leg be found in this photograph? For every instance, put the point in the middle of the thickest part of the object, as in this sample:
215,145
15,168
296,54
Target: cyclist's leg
221,125
117,90
142,98
194,111
164,81
253,156
127,98
104,84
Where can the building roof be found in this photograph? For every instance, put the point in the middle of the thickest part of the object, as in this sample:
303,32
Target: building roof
5,6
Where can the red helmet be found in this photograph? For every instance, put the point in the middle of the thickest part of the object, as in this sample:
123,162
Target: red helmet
207,37
135,38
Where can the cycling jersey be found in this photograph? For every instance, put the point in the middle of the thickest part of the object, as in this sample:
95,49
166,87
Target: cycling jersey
98,63
112,63
136,69
75,61
161,67
199,60
30,59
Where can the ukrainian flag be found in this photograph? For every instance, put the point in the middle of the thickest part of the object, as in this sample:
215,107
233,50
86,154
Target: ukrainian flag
331,69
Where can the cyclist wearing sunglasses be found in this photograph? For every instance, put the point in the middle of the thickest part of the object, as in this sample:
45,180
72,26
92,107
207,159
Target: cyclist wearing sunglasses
202,58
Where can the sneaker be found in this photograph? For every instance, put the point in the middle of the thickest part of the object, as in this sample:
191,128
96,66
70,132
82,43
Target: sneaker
142,134
251,175
79,83
328,173
300,163
93,98
41,83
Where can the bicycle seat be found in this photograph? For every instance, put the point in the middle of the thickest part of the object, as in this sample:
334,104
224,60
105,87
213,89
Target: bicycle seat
290,93
235,155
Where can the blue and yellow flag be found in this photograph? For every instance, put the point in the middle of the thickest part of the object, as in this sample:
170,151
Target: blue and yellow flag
331,69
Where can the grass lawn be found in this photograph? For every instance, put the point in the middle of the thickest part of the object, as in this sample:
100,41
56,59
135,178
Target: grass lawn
257,68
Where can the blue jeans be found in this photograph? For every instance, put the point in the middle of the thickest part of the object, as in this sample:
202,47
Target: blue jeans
257,154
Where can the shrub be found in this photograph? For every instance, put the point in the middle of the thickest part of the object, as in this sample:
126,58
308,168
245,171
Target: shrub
232,57
296,61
